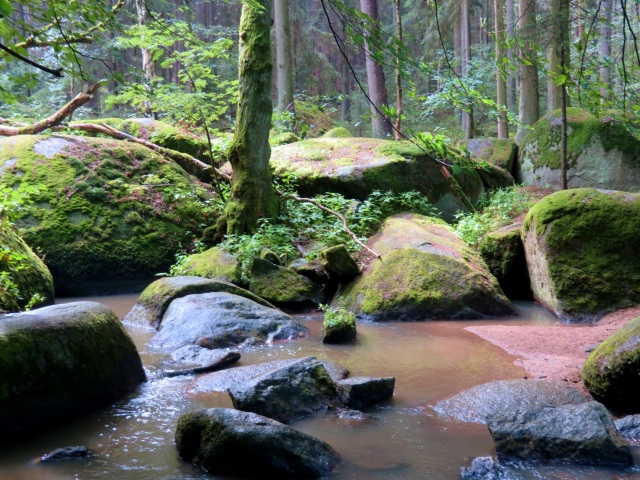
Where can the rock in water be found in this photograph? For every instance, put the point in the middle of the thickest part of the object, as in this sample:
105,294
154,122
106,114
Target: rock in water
486,468
212,263
61,361
220,320
192,359
65,453
228,442
584,434
360,392
296,391
629,427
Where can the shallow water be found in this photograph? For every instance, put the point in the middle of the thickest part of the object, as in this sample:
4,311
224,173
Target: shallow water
403,439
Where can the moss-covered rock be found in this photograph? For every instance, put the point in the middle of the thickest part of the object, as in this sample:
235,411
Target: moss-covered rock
281,285
338,132
313,116
495,177
212,263
426,272
355,167
22,273
583,252
500,152
155,299
283,138
503,252
60,361
601,153
612,371
339,326
339,263
109,211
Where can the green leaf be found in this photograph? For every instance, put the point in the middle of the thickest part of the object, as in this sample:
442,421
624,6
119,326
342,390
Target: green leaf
5,8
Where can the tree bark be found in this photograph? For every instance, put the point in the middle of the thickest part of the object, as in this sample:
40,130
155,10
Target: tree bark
345,110
501,83
375,78
604,50
559,38
252,194
511,79
148,64
284,56
465,53
529,104
398,126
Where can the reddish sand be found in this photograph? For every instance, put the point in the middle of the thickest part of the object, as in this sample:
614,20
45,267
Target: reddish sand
556,351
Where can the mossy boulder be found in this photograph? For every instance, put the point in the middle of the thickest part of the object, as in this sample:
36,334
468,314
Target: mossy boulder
338,132
339,326
281,285
601,153
426,272
23,273
355,167
500,152
283,138
339,263
109,211
313,117
212,263
156,298
612,371
503,252
60,361
583,252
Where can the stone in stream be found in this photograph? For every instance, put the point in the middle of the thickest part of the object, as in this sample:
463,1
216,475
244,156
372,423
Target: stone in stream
61,361
229,442
65,453
220,320
360,392
192,359
487,468
629,427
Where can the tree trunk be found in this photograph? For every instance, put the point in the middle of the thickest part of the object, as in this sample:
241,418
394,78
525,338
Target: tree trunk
501,83
398,126
465,53
559,38
375,78
511,79
604,50
345,110
252,194
284,57
529,105
148,64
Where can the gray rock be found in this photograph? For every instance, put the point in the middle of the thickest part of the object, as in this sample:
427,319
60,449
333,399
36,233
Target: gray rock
360,392
228,442
220,320
486,468
156,298
65,453
282,285
583,434
339,263
192,359
629,426
489,399
335,370
296,391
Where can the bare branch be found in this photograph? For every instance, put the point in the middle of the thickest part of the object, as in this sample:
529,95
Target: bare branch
56,73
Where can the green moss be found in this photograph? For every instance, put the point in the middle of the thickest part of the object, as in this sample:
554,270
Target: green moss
338,132
281,285
312,115
212,263
283,139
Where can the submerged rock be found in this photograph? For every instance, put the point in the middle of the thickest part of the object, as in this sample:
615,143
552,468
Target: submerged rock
220,320
61,361
360,392
486,468
229,442
65,453
584,434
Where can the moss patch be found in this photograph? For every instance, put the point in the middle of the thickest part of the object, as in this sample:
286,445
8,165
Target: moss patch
212,263
281,285
338,132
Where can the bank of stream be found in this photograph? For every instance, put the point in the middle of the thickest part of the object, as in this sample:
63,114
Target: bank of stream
402,439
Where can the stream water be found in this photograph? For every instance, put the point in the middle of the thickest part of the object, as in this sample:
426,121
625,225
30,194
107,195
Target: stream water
403,439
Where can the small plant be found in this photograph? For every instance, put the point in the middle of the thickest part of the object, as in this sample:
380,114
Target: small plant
339,325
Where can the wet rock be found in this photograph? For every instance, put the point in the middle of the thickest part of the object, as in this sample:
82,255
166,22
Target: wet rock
582,434
629,426
281,285
486,468
192,359
339,326
65,453
489,399
612,371
352,415
220,320
229,442
360,392
61,361
335,370
339,263
298,390
155,299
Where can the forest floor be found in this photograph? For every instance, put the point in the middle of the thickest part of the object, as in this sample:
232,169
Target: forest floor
554,352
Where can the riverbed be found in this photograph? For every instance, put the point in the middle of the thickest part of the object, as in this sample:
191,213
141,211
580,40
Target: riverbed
402,439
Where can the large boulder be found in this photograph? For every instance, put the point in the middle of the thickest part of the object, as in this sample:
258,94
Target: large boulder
60,361
156,298
232,443
109,210
500,152
426,272
601,153
22,272
583,434
220,320
281,285
288,394
583,252
612,371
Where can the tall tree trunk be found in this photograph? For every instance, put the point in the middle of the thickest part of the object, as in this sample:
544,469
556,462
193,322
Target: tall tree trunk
604,50
501,83
345,110
529,105
148,64
559,38
512,78
284,57
252,194
375,78
398,126
465,52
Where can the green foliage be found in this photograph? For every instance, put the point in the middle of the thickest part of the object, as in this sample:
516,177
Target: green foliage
336,317
495,210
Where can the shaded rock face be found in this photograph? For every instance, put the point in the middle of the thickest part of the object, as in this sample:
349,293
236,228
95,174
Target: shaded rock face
296,391
426,272
360,392
25,269
496,151
490,399
214,263
612,371
230,442
486,468
601,153
192,359
582,434
101,216
282,286
220,320
583,252
60,361
339,263
155,299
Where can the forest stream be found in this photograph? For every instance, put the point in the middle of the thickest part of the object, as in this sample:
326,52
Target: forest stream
403,438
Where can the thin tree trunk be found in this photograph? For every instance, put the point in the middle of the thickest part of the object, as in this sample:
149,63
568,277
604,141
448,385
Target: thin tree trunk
252,194
148,64
465,52
559,38
501,84
604,50
345,110
284,56
398,126
511,79
529,105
